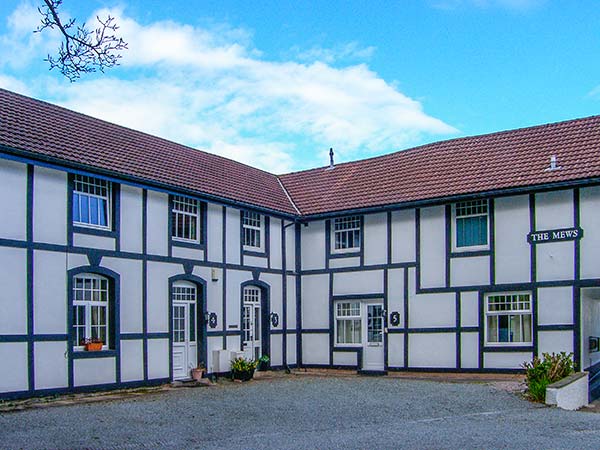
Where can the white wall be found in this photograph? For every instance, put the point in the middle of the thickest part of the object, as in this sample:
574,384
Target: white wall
313,245
158,223
511,226
13,295
214,232
590,223
13,198
375,238
131,219
50,201
403,236
433,247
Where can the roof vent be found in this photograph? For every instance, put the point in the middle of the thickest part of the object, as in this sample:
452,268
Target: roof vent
331,158
553,164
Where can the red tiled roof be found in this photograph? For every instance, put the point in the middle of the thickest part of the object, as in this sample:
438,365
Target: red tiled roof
41,128
504,160
478,164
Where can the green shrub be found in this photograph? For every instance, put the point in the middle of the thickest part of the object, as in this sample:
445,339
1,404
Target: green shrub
539,373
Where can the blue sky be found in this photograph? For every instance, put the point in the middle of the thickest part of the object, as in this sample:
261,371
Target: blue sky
275,83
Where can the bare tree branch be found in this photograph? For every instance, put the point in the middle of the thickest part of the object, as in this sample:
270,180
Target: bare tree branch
82,50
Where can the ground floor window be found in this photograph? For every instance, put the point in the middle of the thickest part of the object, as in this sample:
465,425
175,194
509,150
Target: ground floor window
348,322
508,318
91,299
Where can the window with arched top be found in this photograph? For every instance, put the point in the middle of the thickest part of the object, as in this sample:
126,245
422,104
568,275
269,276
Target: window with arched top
92,299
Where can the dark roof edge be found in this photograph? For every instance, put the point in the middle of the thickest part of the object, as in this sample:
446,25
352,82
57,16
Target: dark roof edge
532,188
61,164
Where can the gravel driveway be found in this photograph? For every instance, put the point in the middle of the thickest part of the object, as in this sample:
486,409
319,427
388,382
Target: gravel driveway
307,412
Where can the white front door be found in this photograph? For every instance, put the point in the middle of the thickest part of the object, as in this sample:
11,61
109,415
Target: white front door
373,355
251,323
185,348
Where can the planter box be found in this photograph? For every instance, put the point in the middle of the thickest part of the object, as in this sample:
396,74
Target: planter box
570,393
93,347
246,375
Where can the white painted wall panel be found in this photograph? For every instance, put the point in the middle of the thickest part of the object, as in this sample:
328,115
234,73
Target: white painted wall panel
232,235
275,250
555,341
313,245
91,241
13,295
131,219
555,261
471,271
432,310
315,348
337,263
344,359
403,236
50,201
158,294
396,293
13,198
158,358
508,360
555,305
196,254
158,223
233,343
290,242
214,343
554,209
132,360
315,301
214,232
376,238
255,261
432,350
291,349
511,223
469,350
49,292
75,260
214,290
291,302
131,292
91,371
14,366
433,247
51,366
396,350
590,222
469,309
365,282
590,324
276,354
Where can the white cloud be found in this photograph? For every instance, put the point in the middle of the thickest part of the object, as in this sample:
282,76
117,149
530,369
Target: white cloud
210,89
351,51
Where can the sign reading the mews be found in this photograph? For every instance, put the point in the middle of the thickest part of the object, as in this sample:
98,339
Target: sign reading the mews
562,234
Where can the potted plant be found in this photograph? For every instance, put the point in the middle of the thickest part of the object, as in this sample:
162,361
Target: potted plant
92,345
263,363
242,369
198,372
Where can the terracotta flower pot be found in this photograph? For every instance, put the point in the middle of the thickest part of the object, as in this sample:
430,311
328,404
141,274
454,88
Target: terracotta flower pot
197,374
93,346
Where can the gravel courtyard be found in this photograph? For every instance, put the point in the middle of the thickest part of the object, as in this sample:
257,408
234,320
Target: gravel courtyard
307,412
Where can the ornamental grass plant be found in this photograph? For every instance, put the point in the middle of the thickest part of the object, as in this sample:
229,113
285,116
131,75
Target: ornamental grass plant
539,373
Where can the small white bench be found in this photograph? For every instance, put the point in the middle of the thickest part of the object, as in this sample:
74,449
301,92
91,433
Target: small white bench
570,393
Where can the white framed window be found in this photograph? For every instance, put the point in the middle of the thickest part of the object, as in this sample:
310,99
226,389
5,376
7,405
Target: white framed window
348,323
508,318
346,233
252,231
471,230
186,219
92,202
184,295
251,322
91,299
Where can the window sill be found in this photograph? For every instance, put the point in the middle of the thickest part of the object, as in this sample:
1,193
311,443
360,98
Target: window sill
253,251
105,232
346,346
82,354
509,347
350,253
470,252
187,244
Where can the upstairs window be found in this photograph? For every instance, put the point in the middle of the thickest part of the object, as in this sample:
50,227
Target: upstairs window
508,318
346,233
91,298
186,223
91,202
471,220
252,225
